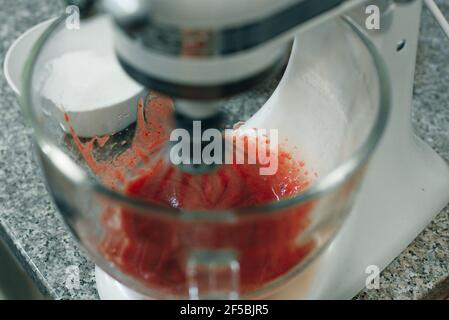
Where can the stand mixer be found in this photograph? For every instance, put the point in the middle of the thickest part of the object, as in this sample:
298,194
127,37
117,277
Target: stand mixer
202,52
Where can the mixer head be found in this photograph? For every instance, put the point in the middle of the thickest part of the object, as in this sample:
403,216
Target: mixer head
200,52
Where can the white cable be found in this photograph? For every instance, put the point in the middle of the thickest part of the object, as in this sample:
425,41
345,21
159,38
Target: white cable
438,15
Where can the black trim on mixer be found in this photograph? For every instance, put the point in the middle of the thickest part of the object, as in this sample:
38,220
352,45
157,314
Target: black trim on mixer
172,40
251,35
225,90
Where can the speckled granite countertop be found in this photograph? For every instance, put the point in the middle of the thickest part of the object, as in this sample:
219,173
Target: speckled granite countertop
31,227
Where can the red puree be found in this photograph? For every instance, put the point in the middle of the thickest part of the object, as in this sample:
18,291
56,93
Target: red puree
154,250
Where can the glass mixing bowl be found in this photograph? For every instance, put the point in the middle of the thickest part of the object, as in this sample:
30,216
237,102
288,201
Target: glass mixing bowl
330,109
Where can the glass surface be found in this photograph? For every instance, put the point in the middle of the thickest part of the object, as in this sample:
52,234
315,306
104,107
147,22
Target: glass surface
330,109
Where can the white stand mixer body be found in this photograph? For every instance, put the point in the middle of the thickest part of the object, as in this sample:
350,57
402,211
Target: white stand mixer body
406,185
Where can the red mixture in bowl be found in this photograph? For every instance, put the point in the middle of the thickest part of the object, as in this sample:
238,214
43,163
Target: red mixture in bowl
154,249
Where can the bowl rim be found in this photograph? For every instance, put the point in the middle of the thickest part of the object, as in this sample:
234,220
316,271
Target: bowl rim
331,181
12,50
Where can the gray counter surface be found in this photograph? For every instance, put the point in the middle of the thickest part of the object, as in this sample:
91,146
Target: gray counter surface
32,228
